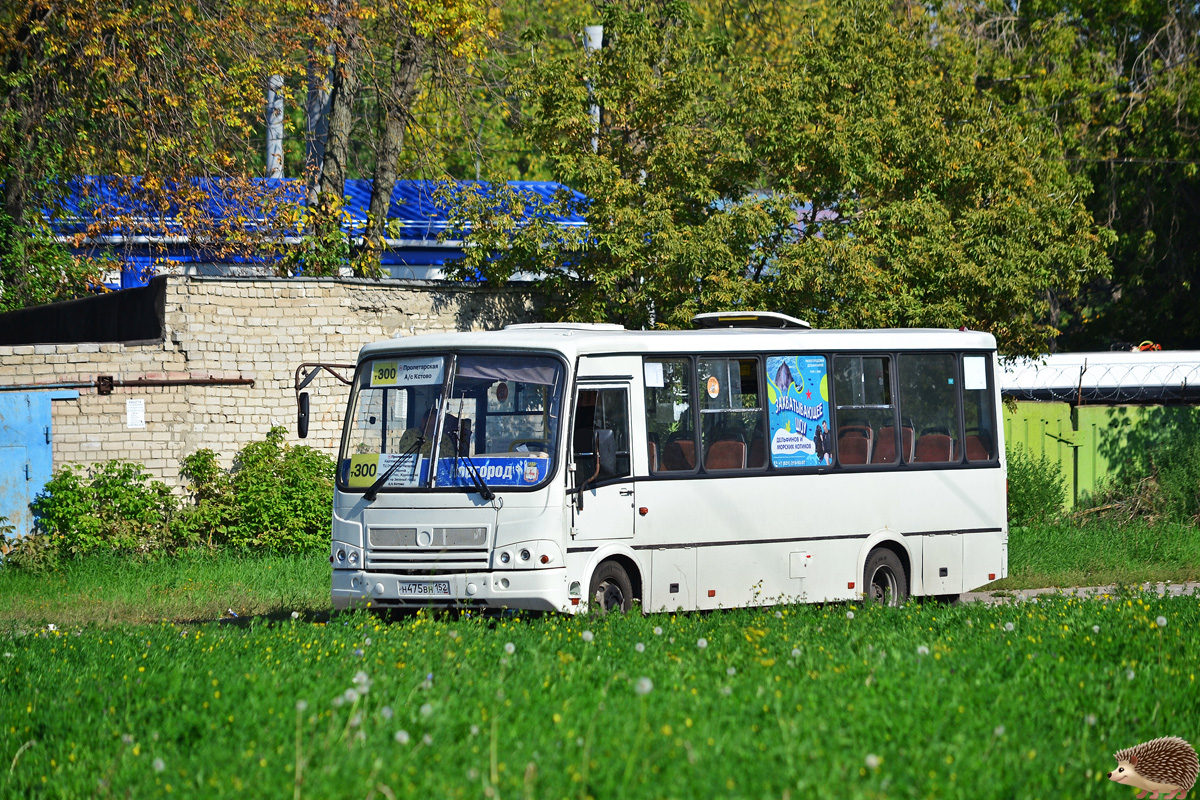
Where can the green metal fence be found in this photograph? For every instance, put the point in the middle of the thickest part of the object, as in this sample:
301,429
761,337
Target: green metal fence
1094,444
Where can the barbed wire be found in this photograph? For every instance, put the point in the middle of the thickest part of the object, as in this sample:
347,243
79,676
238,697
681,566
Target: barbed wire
1146,382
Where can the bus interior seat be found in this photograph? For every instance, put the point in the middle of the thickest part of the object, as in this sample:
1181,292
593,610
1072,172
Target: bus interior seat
978,446
934,447
652,451
679,453
854,444
885,448
726,454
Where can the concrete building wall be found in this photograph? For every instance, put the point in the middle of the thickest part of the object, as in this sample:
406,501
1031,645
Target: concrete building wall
230,351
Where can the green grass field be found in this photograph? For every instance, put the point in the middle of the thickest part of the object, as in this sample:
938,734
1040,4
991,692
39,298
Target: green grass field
116,679
920,701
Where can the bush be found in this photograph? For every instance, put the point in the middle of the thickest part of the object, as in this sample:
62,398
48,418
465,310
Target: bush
1036,488
1167,488
277,497
111,506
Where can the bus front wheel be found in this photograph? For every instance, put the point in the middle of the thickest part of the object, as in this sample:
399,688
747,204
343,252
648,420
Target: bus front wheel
884,579
611,589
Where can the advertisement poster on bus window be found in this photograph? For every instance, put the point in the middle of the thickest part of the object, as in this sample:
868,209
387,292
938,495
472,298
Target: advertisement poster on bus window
798,400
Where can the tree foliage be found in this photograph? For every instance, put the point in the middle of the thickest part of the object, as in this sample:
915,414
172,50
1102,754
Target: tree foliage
863,180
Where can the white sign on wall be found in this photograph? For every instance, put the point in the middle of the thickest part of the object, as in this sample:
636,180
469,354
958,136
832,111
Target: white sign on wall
135,413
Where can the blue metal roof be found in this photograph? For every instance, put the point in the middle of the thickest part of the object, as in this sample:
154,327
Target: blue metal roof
138,228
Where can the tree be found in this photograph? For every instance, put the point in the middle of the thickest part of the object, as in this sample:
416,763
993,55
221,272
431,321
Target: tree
858,179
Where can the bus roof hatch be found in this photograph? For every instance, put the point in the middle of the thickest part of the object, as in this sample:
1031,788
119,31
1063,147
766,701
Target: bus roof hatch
748,319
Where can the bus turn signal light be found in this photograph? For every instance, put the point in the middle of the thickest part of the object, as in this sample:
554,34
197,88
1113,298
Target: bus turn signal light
545,559
643,511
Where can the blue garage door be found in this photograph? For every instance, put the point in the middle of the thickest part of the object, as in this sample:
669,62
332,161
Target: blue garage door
25,455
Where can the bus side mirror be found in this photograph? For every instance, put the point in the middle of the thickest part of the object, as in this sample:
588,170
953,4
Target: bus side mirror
302,415
606,453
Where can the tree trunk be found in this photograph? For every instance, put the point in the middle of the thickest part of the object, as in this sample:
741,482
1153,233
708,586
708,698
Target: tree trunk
343,92
404,75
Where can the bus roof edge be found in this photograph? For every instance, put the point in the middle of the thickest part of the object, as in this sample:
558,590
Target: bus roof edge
748,319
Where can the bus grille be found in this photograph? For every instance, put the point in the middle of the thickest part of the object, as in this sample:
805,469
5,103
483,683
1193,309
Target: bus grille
440,550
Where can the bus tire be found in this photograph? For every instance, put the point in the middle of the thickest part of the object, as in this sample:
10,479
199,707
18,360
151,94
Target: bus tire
884,579
611,589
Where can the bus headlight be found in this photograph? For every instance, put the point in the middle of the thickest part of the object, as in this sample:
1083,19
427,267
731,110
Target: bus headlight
524,555
353,558
341,556
505,557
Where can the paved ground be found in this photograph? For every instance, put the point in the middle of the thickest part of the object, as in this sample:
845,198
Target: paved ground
1017,595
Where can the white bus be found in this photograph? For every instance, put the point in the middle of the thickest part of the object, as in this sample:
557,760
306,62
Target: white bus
559,467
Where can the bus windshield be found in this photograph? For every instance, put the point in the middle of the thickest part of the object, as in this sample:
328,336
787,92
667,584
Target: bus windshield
494,417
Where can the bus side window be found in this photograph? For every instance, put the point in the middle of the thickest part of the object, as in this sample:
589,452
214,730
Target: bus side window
670,440
867,432
929,397
600,409
731,412
978,412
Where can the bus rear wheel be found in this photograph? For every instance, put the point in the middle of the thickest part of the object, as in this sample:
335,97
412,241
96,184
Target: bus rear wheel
884,579
611,589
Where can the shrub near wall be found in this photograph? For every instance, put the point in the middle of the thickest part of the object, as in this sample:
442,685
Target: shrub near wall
276,497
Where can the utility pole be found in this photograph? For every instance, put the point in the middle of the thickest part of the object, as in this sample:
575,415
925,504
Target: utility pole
275,127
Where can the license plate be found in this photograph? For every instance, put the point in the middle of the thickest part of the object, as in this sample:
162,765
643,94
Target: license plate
425,588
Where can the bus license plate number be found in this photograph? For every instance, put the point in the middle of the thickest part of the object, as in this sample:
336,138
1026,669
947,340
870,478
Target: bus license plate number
425,587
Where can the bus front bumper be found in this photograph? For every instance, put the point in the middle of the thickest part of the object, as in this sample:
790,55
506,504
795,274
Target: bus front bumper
533,590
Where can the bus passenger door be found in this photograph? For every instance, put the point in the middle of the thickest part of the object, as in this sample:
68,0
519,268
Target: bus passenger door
604,499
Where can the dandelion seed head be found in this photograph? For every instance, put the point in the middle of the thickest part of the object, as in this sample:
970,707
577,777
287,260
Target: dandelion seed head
579,742
657,630
873,761
644,685
849,615
360,679
1095,629
922,650
587,636
295,615
731,671
795,652
474,730
339,701
778,615
702,643
1130,675
1090,719
472,774
355,721
350,695
453,634
301,706
402,737
998,731
158,765
510,648
427,739
426,709
970,624
1161,622
727,690
1008,626
641,648
386,712
127,738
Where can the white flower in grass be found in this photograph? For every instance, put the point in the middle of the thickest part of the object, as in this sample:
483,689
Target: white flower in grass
361,682
731,671
998,731
778,615
402,737
702,643
386,712
426,710
301,706
727,690
350,695
1008,626
873,761
339,701
8,655
795,652
1131,675
1095,629
427,739
641,648
1090,719
587,636
657,630
510,648
922,650
127,738
367,641
1161,622
474,730
158,765
644,685
970,624
355,721
295,615
849,615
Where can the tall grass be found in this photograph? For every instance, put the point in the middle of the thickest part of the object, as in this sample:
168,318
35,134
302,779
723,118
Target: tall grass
192,585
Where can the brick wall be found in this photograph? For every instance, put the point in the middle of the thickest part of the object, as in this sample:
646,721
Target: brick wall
222,331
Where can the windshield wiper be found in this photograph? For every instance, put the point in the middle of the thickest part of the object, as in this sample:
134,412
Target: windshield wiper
484,491
370,494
